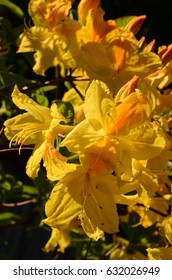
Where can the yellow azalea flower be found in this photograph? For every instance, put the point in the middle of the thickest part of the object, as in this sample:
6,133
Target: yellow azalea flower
90,193
58,239
126,123
89,190
118,48
160,253
49,13
52,36
38,126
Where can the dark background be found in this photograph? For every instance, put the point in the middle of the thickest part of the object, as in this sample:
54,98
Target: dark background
158,24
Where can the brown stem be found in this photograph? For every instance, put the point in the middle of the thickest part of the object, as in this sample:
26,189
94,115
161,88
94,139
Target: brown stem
53,82
88,247
153,210
18,203
15,149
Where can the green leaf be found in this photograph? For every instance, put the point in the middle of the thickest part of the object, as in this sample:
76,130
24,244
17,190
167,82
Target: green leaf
9,218
42,99
6,185
123,21
30,190
66,109
13,7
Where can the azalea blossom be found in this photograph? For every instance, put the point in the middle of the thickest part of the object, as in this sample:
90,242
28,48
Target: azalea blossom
90,193
135,141
52,35
126,122
38,126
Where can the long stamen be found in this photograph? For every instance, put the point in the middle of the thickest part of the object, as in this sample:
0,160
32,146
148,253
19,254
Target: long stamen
18,137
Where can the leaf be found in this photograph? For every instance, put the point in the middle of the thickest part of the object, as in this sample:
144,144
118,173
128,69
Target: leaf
42,99
30,190
9,218
123,21
66,109
13,7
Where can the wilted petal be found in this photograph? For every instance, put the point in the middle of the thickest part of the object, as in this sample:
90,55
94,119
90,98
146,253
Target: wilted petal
90,229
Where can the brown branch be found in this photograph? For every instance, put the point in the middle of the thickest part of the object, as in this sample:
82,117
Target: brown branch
18,203
153,210
75,88
88,247
56,82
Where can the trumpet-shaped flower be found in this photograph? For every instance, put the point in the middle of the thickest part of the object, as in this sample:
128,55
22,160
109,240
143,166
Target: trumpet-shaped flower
53,34
48,13
127,123
38,126
89,190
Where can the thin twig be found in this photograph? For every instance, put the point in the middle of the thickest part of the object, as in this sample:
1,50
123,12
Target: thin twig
75,88
88,247
18,203
15,149
153,210
54,82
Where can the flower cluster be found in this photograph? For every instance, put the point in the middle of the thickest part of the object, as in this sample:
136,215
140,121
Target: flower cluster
121,133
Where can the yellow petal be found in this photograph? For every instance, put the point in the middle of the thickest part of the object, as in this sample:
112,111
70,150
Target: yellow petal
166,228
23,102
132,112
94,60
90,229
160,253
33,164
77,139
99,104
58,238
143,64
48,13
84,7
143,142
23,129
100,204
56,165
62,208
